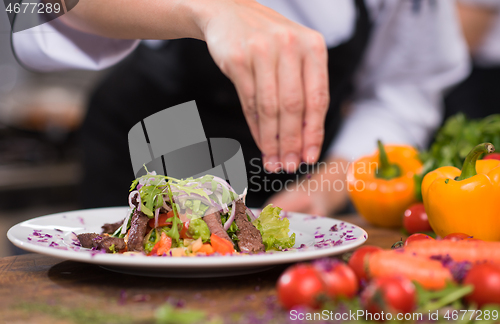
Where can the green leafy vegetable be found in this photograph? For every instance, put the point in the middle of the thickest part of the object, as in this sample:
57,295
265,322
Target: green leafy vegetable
197,208
174,231
151,239
231,231
273,229
198,228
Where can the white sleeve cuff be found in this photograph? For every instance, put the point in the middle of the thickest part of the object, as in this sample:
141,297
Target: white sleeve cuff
55,46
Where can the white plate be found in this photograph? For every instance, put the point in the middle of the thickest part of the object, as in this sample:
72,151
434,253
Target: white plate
53,235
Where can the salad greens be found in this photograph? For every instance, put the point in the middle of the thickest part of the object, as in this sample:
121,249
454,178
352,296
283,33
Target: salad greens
197,208
170,203
274,230
231,231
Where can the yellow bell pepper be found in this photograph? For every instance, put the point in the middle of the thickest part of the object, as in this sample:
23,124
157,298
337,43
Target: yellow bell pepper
381,186
465,201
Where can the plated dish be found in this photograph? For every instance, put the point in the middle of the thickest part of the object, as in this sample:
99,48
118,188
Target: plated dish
193,227
54,235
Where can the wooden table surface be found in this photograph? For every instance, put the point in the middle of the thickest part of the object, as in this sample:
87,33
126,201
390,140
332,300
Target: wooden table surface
41,289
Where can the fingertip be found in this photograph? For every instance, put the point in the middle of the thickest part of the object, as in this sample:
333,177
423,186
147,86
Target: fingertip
271,163
291,162
312,154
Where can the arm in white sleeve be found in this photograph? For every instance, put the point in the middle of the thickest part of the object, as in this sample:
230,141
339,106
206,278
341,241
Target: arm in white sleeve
412,58
55,46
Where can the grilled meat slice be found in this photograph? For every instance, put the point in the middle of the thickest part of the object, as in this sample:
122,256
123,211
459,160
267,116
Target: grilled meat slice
250,239
215,224
110,228
101,242
138,228
106,242
87,239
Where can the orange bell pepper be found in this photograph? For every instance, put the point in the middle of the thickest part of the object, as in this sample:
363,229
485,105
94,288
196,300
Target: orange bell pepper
465,201
381,185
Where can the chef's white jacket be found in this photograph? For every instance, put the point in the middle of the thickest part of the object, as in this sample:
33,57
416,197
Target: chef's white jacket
416,52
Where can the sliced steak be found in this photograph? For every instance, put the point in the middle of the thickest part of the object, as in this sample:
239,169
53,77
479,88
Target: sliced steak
87,239
249,237
215,225
110,228
106,242
138,228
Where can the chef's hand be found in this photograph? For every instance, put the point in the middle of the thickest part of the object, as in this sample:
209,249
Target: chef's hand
279,69
323,193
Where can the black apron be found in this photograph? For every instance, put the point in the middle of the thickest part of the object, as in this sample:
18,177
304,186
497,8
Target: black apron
150,80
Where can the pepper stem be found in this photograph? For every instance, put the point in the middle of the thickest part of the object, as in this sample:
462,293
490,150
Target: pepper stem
469,167
386,170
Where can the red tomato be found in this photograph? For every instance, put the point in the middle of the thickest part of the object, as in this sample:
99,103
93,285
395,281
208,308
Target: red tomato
339,279
415,219
492,156
220,245
486,281
300,285
184,234
357,260
417,237
161,220
457,237
394,294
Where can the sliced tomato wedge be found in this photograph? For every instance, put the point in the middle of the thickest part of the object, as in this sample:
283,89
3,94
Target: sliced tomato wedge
163,245
161,220
220,245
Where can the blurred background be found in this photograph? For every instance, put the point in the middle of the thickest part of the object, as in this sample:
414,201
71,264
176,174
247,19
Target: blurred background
40,161
39,156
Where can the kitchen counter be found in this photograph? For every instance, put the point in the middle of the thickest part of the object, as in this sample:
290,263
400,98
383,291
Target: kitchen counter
40,289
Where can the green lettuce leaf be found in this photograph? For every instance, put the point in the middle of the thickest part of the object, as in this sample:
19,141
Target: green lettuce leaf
273,229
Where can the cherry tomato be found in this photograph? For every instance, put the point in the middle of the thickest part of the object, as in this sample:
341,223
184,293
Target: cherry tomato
309,284
485,278
415,219
417,237
357,260
339,279
300,285
457,237
161,220
492,156
394,294
184,231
